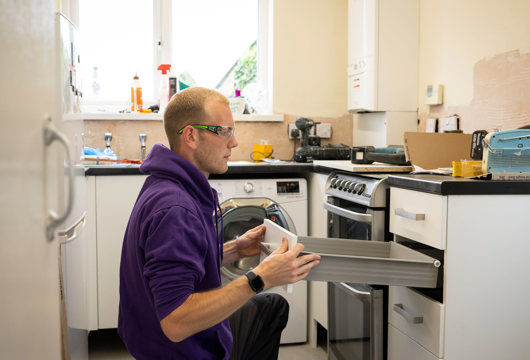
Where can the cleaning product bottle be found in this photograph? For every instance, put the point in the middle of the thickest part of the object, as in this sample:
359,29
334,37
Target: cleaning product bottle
164,87
136,95
237,103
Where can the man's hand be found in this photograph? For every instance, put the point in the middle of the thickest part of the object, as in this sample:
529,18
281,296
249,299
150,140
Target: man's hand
285,266
246,245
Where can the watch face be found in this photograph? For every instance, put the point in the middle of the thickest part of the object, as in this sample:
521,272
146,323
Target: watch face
255,282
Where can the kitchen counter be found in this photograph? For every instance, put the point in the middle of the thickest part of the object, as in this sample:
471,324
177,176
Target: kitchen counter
449,185
376,167
435,184
246,168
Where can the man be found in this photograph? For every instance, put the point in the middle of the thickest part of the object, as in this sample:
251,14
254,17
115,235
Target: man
172,304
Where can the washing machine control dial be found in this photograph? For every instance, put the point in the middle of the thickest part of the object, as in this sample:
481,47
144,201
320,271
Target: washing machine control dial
248,187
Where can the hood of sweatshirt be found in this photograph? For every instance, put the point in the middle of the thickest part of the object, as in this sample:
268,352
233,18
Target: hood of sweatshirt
166,164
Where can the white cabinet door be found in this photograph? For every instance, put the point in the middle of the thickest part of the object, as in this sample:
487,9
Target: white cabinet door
115,198
418,317
486,281
401,347
419,216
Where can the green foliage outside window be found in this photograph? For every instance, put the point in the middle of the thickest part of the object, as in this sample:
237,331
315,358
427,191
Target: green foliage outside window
246,67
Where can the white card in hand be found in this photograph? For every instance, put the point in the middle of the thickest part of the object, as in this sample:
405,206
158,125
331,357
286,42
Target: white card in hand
273,240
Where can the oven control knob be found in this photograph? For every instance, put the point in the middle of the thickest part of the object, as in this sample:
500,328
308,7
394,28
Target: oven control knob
248,187
344,185
351,187
333,183
360,188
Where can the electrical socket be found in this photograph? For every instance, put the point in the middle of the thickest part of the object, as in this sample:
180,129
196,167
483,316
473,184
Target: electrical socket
292,127
450,123
323,130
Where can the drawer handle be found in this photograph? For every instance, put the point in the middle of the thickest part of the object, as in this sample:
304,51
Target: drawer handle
409,215
410,318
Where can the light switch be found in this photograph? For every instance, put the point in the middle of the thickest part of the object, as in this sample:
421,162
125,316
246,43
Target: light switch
431,125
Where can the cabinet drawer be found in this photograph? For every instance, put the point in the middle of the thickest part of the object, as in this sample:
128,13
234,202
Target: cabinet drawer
419,216
417,316
401,347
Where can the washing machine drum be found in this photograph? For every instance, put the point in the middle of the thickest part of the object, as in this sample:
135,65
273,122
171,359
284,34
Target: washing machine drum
240,215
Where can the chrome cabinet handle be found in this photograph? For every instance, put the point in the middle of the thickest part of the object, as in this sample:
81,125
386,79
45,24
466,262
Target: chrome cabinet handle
409,215
53,220
407,316
352,215
73,231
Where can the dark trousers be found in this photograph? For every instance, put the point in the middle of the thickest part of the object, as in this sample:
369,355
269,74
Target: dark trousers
257,327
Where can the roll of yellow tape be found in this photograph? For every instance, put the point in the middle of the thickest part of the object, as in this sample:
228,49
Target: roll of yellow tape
261,151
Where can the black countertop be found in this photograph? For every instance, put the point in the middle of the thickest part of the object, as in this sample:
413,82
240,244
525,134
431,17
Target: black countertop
435,184
449,185
235,168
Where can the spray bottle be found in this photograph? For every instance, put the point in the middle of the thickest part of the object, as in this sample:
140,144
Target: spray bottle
164,87
136,95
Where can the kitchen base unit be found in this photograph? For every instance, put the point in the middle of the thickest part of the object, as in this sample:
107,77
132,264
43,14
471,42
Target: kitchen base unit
110,200
482,311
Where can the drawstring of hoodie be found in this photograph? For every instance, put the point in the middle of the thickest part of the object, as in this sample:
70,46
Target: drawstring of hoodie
220,235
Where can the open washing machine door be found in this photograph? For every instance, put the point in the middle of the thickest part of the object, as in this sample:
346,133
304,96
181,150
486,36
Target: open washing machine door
240,215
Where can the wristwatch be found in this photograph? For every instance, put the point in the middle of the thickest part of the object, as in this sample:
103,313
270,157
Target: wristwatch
255,281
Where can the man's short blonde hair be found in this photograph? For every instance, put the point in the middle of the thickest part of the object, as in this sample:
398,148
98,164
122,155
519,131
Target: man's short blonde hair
188,107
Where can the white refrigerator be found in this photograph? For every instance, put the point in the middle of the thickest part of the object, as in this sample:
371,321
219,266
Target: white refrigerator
40,204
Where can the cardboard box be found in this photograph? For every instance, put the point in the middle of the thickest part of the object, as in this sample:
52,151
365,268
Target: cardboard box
436,150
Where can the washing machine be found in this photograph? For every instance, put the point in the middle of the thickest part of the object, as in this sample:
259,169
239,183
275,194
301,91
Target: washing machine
245,203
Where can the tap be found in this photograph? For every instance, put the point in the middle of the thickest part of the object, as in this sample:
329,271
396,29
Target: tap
108,139
143,137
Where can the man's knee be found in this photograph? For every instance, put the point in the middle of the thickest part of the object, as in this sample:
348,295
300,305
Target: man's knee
273,304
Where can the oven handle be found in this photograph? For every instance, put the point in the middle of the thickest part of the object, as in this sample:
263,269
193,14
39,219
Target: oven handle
349,288
352,215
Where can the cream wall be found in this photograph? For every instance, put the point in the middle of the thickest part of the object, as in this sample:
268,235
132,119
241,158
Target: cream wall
310,57
478,49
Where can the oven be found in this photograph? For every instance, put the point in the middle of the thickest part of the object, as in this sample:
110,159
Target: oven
357,313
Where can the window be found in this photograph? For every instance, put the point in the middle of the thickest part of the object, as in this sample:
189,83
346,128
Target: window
211,43
117,38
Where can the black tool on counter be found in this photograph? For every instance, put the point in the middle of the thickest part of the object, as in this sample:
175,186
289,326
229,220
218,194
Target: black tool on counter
304,125
328,152
368,154
476,144
310,148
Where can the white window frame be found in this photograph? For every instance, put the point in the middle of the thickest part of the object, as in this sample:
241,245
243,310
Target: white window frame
163,52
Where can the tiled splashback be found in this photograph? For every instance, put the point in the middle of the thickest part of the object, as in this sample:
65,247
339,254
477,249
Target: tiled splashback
126,143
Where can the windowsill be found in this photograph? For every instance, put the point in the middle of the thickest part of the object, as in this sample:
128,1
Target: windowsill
156,116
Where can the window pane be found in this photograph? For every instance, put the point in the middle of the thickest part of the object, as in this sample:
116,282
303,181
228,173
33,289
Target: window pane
117,43
209,36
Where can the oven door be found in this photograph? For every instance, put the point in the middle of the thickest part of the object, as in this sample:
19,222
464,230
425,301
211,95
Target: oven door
348,220
356,321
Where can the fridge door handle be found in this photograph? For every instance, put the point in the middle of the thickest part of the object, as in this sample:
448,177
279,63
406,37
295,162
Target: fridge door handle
53,220
352,215
70,234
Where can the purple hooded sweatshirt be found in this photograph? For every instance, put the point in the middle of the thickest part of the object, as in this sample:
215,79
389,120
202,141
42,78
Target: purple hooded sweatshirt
170,250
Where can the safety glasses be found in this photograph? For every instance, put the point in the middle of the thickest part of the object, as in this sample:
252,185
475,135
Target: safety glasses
224,131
